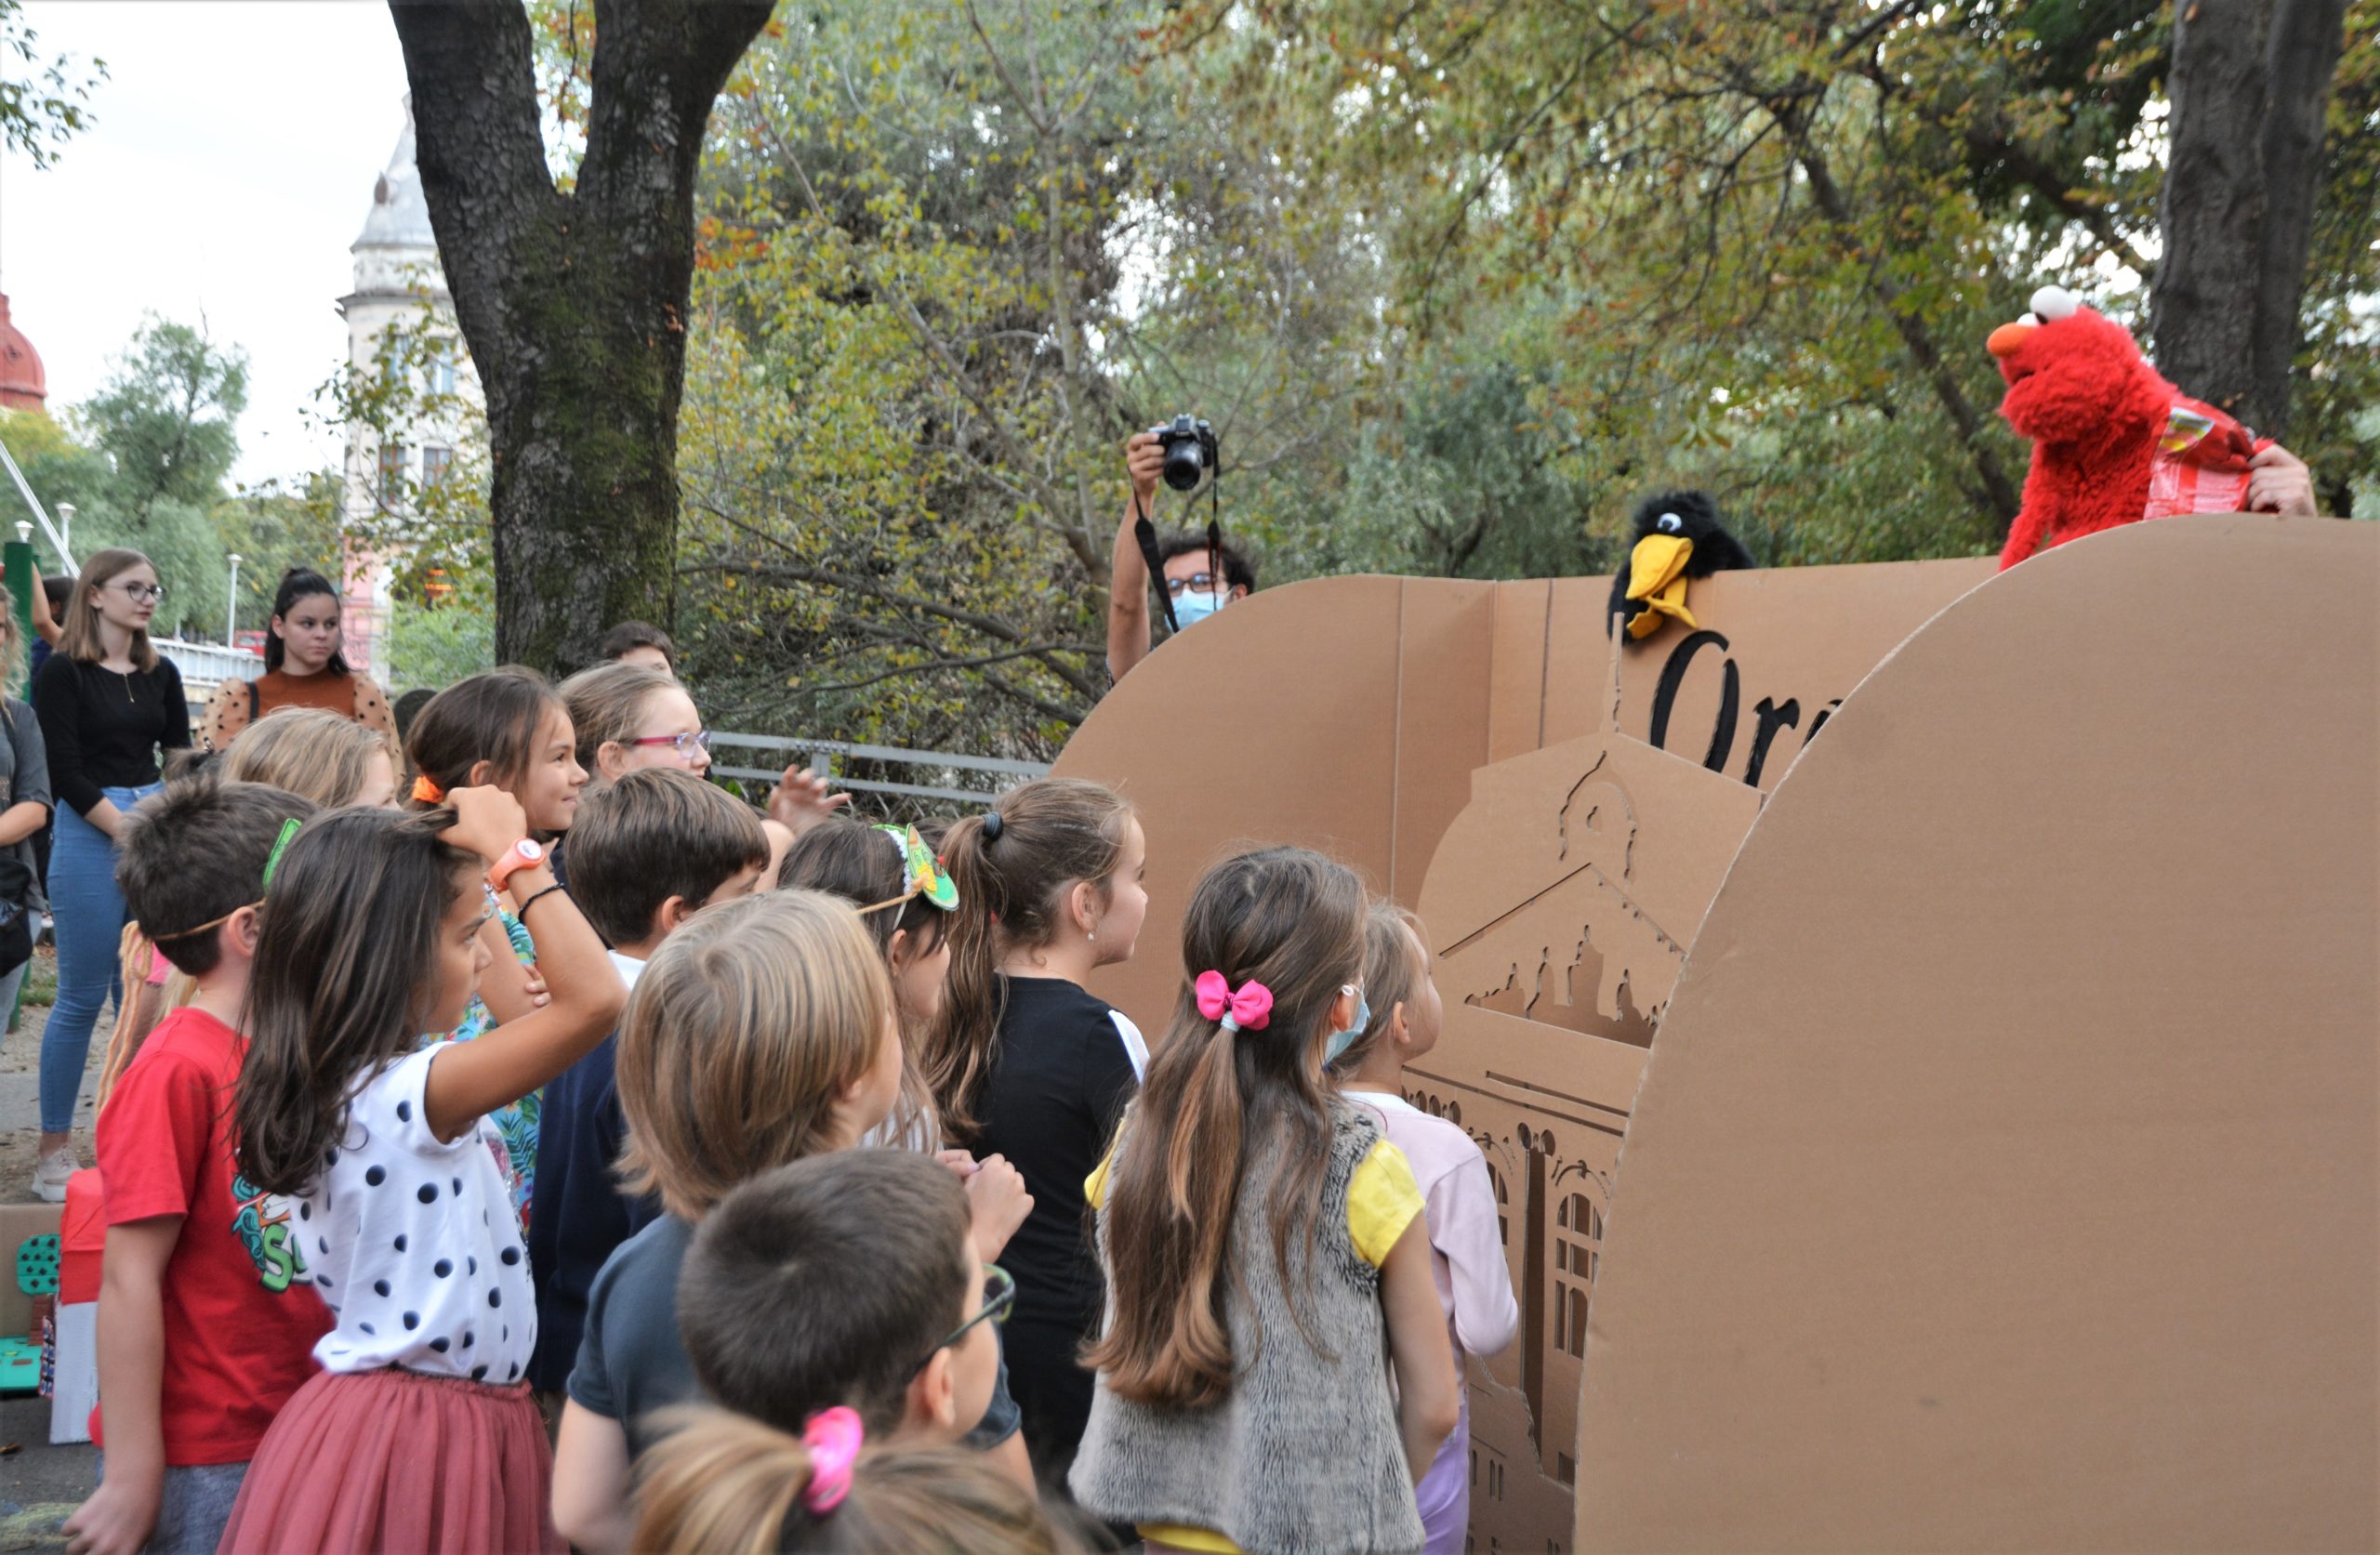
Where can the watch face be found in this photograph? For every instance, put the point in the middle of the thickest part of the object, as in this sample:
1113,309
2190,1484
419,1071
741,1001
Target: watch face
530,849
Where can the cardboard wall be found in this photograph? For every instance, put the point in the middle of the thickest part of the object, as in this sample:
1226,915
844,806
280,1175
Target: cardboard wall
2006,1172
1476,752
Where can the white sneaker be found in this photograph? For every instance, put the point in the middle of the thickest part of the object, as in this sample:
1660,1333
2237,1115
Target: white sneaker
49,1177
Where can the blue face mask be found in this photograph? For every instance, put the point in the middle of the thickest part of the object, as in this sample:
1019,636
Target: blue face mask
1342,1041
1195,605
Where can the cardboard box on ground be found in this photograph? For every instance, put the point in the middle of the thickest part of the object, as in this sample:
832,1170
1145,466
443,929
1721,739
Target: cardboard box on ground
1563,824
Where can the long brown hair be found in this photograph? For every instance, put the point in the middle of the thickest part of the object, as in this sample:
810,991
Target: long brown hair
743,1028
1052,831
78,635
344,975
1293,921
864,866
723,1485
490,717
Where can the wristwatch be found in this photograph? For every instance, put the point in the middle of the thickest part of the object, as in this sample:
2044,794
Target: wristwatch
524,854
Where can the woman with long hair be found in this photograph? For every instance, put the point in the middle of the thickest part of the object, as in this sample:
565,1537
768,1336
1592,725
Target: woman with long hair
24,810
110,707
305,666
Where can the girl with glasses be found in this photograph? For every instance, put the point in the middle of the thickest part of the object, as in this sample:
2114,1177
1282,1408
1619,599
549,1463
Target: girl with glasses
110,708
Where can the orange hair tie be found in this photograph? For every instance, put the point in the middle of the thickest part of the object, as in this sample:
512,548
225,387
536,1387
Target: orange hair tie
427,791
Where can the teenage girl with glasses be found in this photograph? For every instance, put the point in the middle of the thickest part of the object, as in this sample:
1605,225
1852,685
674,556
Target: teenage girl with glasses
110,708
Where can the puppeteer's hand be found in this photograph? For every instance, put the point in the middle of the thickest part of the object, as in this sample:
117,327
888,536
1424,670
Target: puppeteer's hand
1144,461
800,800
2280,483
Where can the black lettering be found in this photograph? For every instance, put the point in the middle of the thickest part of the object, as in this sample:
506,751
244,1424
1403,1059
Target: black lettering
1772,719
1723,734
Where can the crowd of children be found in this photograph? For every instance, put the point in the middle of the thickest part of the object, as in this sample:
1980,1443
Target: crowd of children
755,1190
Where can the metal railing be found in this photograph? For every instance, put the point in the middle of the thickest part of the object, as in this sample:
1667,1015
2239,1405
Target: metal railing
944,766
204,665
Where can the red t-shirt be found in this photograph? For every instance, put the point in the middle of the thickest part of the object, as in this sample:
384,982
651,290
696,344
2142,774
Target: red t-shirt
240,1311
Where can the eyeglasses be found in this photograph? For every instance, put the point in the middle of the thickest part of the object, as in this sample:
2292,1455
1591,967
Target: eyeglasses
1201,583
144,592
1000,1294
687,745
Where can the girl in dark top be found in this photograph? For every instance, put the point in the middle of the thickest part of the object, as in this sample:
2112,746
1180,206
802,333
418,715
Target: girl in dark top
110,707
1025,1064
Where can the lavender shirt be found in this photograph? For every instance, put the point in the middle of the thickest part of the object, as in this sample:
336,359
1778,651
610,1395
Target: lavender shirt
1474,1285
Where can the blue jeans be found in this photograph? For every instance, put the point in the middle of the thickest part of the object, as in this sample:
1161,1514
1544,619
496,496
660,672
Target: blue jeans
90,910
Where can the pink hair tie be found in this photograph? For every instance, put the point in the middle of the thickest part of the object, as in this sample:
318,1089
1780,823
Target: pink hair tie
1249,1009
833,1437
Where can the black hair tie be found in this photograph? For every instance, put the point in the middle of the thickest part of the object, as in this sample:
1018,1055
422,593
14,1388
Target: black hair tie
992,826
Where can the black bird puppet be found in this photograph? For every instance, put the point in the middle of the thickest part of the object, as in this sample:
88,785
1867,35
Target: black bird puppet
1678,537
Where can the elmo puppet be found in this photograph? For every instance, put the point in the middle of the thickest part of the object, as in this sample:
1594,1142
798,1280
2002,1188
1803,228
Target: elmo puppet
1678,537
2113,443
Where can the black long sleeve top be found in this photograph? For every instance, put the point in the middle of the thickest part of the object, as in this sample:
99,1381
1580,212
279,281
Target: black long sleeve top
105,729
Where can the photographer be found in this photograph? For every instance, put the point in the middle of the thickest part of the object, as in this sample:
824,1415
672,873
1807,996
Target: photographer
1189,567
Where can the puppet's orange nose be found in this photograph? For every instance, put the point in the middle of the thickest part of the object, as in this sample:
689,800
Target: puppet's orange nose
2008,336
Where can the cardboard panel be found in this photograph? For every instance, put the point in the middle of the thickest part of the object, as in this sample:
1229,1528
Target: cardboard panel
1302,715
2006,1173
1516,710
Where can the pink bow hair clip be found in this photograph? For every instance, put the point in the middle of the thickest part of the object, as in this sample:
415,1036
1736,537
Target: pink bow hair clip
1249,1009
833,1437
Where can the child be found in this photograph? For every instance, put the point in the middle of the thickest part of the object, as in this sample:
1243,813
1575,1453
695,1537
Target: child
759,1033
1466,1245
206,1314
631,715
419,1434
652,849
726,1486
509,729
1024,1062
883,1272
1264,1251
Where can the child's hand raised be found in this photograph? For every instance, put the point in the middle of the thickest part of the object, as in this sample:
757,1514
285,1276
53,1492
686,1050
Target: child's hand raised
487,821
998,1204
801,800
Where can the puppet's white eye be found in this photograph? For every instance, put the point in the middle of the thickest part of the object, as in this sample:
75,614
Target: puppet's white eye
1669,523
2053,302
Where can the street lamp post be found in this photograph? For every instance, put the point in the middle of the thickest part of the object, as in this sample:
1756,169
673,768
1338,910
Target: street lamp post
232,605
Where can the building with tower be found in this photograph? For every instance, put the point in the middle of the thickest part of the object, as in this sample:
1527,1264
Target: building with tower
23,385
400,319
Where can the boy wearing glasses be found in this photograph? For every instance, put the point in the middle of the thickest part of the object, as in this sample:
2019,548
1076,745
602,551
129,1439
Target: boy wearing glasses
1198,581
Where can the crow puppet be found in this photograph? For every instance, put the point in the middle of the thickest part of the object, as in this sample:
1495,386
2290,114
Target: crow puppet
2113,443
1678,537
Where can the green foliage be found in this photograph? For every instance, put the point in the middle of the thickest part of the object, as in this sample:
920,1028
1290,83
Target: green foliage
438,644
166,418
48,103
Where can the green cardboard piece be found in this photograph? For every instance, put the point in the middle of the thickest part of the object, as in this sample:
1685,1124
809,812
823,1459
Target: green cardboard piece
37,1265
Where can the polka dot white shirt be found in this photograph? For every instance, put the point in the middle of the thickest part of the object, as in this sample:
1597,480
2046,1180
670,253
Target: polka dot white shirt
414,1244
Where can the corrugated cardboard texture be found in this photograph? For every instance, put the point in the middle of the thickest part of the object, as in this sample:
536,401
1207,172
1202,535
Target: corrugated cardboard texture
2006,1172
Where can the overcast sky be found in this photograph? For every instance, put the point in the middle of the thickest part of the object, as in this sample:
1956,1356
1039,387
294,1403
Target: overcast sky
229,166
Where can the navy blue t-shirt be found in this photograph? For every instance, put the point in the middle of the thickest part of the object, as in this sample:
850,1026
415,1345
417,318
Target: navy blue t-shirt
578,1216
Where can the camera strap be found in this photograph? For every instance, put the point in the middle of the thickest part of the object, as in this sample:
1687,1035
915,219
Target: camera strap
1145,532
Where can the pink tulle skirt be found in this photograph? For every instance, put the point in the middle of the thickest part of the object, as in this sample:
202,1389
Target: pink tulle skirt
398,1462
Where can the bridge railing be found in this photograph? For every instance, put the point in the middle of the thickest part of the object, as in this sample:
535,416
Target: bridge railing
942,774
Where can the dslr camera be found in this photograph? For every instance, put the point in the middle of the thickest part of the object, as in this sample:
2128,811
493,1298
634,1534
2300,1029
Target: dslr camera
1190,448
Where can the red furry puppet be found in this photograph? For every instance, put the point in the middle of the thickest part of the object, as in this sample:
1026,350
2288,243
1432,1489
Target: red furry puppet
2113,443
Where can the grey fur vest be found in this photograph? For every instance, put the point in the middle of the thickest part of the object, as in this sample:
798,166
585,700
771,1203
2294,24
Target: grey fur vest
1304,1458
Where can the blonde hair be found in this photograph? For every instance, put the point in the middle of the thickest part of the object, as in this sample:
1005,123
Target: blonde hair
607,702
724,1485
309,751
12,650
78,636
744,1028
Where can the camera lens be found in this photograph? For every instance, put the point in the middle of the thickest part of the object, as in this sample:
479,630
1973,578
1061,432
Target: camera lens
1182,463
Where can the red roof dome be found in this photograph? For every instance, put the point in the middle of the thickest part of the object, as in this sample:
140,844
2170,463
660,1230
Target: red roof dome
23,387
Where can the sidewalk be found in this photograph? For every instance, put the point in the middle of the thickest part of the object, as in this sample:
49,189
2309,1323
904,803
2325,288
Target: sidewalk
39,1484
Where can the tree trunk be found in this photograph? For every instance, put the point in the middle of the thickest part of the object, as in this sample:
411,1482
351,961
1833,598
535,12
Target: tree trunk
2249,82
573,305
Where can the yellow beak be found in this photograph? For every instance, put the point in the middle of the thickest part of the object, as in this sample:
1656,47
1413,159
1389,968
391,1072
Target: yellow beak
1657,576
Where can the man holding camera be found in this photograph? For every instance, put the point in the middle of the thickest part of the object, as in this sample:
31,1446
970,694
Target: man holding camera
1200,577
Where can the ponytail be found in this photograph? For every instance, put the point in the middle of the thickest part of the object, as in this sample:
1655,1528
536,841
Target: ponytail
725,1485
1010,867
1286,924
